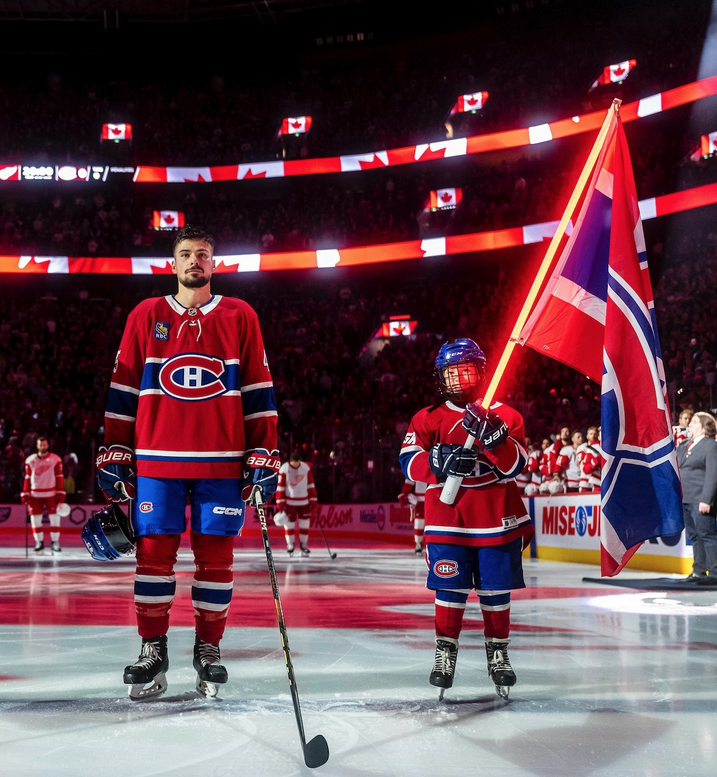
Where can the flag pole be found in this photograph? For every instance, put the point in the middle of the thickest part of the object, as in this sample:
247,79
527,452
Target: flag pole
450,489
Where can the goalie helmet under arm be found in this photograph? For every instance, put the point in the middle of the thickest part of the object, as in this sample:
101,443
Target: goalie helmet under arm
460,369
108,534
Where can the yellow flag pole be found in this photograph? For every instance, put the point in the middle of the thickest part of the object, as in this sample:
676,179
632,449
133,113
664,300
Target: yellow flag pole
450,489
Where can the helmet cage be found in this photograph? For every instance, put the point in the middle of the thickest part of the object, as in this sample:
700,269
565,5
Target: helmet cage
460,370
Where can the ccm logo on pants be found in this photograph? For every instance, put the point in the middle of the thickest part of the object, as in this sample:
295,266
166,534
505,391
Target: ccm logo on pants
227,510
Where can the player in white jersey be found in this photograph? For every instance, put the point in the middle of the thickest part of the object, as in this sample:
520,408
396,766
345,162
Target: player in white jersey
414,495
44,489
295,498
567,465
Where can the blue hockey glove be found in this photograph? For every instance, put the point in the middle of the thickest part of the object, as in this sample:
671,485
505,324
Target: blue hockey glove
116,473
449,460
261,471
489,429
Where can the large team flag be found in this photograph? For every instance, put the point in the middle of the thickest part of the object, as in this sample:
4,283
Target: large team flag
596,314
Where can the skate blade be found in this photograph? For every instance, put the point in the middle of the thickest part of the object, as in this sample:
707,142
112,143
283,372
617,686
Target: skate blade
206,689
503,691
440,695
148,691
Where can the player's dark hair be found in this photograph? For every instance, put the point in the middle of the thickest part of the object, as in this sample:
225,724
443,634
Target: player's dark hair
295,456
40,438
191,233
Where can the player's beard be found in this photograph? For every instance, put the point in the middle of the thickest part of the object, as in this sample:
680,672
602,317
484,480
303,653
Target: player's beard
194,281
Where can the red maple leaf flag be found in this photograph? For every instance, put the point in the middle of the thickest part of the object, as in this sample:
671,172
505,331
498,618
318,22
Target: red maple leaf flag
444,199
298,125
708,144
116,132
167,219
615,74
470,103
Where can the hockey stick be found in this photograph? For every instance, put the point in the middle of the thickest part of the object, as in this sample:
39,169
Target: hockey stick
27,524
333,555
316,752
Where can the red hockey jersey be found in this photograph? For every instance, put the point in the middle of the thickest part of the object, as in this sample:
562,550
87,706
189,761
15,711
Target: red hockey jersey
43,476
488,509
191,389
296,486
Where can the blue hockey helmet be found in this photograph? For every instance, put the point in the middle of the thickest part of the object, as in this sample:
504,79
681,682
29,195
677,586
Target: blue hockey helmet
108,534
460,385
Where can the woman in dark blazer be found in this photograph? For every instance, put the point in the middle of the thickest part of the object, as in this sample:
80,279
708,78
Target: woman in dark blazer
697,460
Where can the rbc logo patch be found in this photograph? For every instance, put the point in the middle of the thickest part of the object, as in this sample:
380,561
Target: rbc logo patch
192,377
161,330
446,568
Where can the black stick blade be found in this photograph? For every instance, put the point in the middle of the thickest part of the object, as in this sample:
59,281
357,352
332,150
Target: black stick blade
316,752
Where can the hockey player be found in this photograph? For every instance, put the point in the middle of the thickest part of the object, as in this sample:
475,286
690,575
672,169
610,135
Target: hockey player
296,497
44,489
191,420
567,465
590,460
681,432
414,495
534,461
477,542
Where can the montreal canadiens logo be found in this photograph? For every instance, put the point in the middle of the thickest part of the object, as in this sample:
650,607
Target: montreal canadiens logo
192,377
146,507
445,568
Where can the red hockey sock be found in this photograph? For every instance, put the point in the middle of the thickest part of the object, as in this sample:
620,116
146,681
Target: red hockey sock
450,608
212,586
496,623
154,583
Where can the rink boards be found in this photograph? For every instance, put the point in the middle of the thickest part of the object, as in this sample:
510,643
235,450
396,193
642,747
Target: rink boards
567,528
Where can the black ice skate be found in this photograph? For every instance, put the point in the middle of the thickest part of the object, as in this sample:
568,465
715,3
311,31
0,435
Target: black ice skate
40,548
499,669
304,551
210,673
419,550
444,664
290,550
56,547
147,676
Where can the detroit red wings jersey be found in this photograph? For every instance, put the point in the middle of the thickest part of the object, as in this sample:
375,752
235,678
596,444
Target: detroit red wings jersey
191,389
43,476
296,486
488,509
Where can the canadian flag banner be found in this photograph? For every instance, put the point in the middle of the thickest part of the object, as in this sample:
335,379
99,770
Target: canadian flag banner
398,327
467,103
615,74
708,144
443,199
299,125
167,219
116,132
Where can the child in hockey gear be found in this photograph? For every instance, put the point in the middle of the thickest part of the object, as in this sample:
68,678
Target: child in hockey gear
210,673
147,676
499,669
477,542
296,497
201,433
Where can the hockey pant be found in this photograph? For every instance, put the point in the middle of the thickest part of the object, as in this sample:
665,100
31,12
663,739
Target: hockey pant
494,605
302,516
155,583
